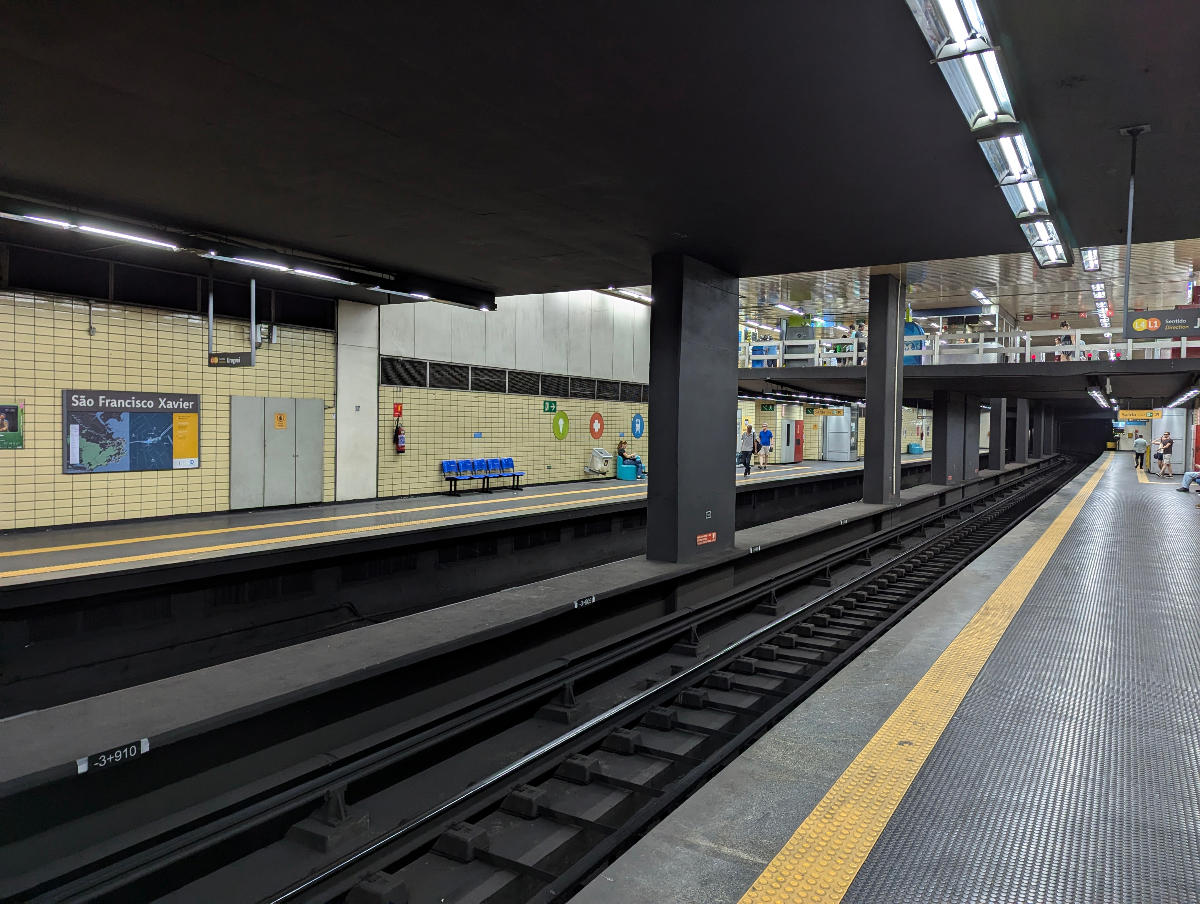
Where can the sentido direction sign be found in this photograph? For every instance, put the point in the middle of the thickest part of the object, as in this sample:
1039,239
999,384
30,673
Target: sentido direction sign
106,430
1155,324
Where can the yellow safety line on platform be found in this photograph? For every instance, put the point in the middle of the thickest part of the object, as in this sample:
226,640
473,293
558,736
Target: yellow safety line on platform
824,855
274,541
324,519
1142,478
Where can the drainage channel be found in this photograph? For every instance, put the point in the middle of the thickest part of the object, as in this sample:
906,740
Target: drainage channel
558,809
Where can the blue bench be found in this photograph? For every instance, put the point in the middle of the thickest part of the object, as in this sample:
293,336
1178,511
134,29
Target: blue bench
481,469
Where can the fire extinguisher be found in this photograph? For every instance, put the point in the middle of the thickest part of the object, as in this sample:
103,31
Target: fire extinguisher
398,436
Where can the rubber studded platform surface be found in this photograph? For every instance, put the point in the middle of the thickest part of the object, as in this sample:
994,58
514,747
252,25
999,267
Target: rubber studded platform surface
1071,771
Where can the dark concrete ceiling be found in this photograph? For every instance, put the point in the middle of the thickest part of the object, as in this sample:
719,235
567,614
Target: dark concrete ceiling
523,146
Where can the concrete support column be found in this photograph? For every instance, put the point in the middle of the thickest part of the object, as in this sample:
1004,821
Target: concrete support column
970,436
948,436
693,401
1037,444
998,442
1051,432
1021,429
885,391
356,428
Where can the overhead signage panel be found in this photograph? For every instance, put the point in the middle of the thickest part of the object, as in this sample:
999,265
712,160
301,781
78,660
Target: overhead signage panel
106,431
1159,324
1139,414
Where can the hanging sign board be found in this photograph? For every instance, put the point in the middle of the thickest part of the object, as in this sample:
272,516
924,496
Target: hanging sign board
229,359
1158,324
106,430
1139,414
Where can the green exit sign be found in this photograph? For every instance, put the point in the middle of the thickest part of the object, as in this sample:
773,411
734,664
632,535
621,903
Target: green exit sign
549,407
766,407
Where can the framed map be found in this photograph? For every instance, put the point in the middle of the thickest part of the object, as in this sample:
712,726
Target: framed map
105,431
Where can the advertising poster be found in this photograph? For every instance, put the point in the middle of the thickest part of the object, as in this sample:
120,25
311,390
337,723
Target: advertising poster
105,431
12,426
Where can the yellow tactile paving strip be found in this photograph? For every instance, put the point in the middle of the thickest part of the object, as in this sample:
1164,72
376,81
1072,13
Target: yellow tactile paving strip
821,859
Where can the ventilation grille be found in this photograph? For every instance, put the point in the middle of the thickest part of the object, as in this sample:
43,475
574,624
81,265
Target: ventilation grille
608,390
488,379
524,382
402,372
439,375
449,376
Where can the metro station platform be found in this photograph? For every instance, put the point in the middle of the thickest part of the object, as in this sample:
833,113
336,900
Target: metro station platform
33,557
1031,732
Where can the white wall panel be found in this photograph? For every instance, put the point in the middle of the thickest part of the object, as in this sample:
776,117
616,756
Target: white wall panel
623,323
579,333
466,334
602,319
554,332
397,330
432,331
357,403
641,345
527,330
499,336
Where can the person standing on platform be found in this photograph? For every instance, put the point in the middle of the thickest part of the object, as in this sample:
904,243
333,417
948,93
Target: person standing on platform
1139,451
764,446
746,449
1165,445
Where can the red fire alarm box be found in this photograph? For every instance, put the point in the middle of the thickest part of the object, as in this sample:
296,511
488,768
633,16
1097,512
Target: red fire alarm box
397,409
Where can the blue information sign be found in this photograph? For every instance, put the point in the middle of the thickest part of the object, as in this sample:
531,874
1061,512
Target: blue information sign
638,426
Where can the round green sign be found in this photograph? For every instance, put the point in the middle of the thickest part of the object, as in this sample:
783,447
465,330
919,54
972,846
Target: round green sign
561,424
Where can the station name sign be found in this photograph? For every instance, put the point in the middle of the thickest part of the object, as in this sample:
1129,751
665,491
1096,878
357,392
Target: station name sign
1151,324
825,412
1139,414
100,400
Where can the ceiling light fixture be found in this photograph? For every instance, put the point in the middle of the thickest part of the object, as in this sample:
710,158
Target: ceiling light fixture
1190,394
312,274
1091,259
126,237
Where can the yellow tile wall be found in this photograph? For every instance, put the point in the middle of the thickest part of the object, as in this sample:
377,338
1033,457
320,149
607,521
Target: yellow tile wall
48,349
441,423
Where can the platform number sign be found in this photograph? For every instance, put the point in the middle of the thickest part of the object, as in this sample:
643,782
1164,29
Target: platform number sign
638,427
114,757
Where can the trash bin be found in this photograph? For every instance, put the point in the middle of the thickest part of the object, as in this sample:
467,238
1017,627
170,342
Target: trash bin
915,448
600,461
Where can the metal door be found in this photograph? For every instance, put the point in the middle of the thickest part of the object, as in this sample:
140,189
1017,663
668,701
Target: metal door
310,449
279,475
798,441
246,464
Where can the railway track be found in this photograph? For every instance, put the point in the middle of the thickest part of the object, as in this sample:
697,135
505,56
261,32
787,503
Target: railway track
525,791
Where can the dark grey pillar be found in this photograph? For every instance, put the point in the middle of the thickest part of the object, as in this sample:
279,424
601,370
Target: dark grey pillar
1037,443
970,436
693,403
997,443
948,435
885,391
1051,432
1021,429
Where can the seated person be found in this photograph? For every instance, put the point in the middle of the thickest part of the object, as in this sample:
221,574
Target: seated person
635,460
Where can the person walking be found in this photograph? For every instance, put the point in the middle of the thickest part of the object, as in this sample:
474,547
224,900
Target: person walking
1139,451
1165,445
746,449
764,446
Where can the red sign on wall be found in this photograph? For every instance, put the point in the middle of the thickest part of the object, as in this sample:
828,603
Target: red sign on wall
701,539
1027,317
397,409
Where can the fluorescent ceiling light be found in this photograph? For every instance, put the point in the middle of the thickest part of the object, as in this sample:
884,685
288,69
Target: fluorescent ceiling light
992,67
46,221
312,274
420,296
978,293
979,83
1098,290
1091,259
126,237
953,19
1027,196
251,262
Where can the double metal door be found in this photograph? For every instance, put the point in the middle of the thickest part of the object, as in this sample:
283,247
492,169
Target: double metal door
276,451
